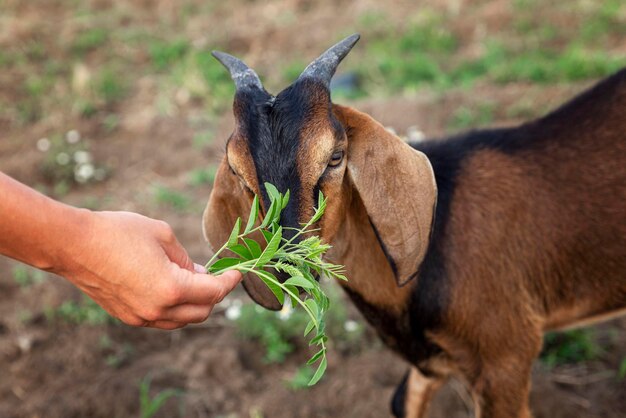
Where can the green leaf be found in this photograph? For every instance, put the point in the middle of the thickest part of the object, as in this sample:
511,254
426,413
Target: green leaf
300,282
271,248
273,192
316,356
253,246
324,302
309,327
232,240
224,263
318,339
321,206
272,283
319,372
285,200
242,251
313,307
267,235
294,290
254,213
269,216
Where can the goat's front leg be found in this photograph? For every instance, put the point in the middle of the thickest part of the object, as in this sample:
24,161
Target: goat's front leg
502,395
502,385
414,394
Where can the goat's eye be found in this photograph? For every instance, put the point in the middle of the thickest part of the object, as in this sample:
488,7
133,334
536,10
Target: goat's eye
336,159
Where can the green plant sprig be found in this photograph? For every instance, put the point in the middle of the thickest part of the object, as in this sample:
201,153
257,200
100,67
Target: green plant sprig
298,259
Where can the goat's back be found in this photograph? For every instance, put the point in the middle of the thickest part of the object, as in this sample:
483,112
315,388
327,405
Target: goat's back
539,211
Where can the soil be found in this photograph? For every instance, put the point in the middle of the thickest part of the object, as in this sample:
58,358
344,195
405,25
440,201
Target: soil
55,369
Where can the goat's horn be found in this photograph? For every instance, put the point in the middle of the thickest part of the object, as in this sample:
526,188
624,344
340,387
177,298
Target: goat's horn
243,76
324,67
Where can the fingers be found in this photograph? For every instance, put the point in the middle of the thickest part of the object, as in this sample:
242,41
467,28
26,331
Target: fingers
205,289
197,294
166,325
188,314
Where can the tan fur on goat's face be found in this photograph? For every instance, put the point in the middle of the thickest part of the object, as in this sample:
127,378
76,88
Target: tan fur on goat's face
394,182
229,200
319,143
239,160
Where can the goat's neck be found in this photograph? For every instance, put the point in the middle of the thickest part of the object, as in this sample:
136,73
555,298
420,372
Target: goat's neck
371,283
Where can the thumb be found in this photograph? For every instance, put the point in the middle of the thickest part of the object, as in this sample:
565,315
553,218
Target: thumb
178,255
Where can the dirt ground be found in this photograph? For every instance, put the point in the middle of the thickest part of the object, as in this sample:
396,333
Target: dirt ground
51,368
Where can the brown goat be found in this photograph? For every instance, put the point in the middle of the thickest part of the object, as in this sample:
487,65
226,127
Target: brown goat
460,252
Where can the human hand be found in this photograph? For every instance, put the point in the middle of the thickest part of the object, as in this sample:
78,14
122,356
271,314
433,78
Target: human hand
135,268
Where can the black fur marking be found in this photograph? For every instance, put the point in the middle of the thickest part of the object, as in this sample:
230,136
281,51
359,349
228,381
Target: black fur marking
431,296
399,398
390,260
272,128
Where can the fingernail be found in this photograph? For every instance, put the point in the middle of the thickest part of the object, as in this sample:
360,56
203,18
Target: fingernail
199,268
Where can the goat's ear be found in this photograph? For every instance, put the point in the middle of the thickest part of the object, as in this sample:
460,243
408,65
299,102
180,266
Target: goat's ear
398,189
227,202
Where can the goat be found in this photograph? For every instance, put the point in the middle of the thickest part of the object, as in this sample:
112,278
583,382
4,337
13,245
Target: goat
460,252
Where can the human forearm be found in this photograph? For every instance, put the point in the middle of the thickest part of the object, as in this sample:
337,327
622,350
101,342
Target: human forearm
38,230
133,266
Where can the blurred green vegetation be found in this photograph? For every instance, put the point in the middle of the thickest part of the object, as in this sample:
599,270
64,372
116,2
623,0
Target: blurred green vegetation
85,311
574,346
176,200
26,276
98,66
424,55
149,406
280,332
202,176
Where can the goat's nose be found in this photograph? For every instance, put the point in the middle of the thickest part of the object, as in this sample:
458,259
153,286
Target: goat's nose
289,232
289,221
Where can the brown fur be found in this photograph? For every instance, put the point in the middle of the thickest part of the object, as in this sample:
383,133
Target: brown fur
535,240
420,391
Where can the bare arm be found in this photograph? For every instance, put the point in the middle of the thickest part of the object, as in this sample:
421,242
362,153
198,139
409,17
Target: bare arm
133,266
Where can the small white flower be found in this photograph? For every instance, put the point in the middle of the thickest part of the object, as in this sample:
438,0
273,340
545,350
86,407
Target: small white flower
233,312
82,157
43,144
415,134
83,173
350,325
72,136
285,313
62,158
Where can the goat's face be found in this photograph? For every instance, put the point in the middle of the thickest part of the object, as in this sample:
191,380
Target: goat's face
294,142
299,141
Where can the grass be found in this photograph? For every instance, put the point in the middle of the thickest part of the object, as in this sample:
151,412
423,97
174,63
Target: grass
499,63
568,347
149,406
394,57
202,176
203,138
164,54
279,333
26,276
110,86
472,117
172,198
300,379
86,311
426,54
621,372
89,40
220,87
